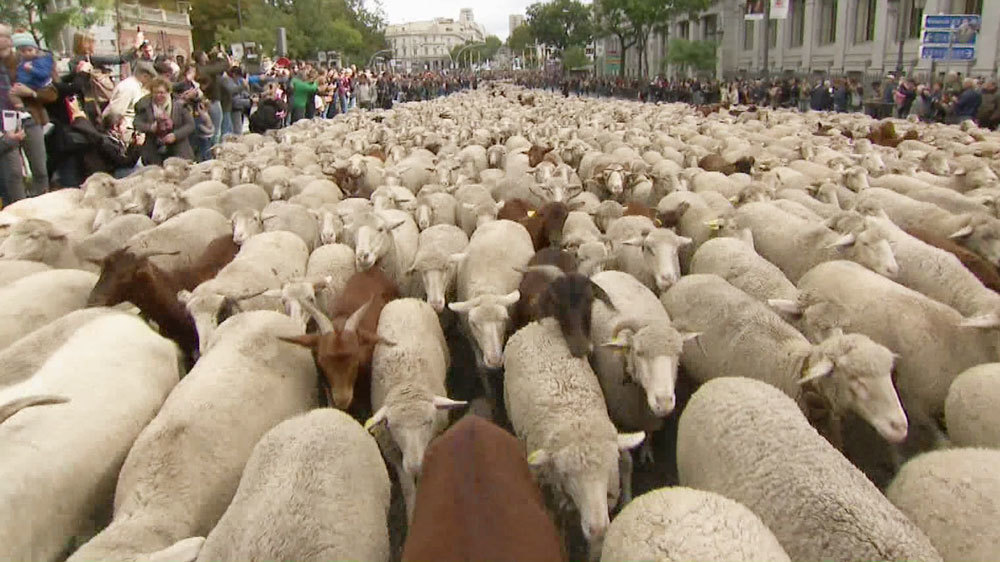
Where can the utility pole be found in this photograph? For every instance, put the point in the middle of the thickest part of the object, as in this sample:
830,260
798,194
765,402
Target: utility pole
902,28
767,36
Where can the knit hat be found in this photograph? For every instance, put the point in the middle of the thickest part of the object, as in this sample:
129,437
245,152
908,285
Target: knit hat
23,39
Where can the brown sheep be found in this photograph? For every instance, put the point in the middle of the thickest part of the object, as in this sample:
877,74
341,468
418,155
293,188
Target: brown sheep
516,209
716,163
545,226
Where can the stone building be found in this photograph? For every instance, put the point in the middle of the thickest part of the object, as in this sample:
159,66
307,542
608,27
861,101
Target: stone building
427,45
820,36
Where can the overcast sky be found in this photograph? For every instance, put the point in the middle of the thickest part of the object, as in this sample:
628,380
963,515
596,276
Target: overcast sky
492,14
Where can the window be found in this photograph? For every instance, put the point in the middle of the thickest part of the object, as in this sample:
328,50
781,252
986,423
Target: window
748,29
798,22
772,32
864,21
684,30
710,27
827,21
968,7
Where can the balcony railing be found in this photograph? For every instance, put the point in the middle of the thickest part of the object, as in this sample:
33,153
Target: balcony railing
142,14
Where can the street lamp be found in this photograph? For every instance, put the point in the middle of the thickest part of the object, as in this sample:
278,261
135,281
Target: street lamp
377,53
458,55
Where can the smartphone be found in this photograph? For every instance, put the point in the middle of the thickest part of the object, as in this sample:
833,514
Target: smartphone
11,121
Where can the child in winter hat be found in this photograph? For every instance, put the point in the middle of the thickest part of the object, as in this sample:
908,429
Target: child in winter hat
35,68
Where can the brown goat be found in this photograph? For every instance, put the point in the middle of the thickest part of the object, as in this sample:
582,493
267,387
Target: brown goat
476,470
346,340
516,209
130,277
537,153
670,219
983,270
716,163
546,225
638,209
551,287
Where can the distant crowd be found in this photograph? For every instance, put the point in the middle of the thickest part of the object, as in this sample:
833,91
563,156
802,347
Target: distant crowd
951,100
75,119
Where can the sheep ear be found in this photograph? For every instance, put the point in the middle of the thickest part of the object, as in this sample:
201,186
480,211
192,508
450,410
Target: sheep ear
963,232
621,342
635,241
184,296
602,295
714,224
683,241
984,321
377,418
445,403
688,336
785,305
842,242
461,307
395,225
538,458
817,370
629,441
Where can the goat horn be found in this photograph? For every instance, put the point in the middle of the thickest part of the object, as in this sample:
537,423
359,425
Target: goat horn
550,272
146,254
355,319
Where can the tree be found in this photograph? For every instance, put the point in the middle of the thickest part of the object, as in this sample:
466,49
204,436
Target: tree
631,21
483,51
574,57
699,55
45,24
520,39
560,23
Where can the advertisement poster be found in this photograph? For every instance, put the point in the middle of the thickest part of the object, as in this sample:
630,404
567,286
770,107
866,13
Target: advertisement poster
755,9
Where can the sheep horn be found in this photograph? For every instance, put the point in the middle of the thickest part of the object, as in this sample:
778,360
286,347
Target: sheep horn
550,272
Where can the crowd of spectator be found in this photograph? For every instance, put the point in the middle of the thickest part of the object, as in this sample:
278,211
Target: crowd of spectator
951,99
75,119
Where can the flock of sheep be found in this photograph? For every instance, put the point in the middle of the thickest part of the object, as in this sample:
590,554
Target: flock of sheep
826,284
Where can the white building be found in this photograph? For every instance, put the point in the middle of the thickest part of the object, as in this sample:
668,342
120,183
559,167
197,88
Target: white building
514,21
423,45
819,36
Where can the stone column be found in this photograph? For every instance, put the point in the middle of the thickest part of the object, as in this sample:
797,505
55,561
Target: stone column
846,16
809,34
986,43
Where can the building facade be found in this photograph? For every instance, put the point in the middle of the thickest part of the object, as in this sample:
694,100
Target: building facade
427,45
513,22
819,36
168,31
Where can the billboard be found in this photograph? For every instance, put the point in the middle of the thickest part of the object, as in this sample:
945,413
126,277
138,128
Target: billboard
755,9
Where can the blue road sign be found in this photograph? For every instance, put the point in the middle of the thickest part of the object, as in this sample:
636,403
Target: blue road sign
943,53
954,29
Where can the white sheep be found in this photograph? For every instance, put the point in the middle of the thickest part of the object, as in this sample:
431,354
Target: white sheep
685,524
742,337
35,300
12,270
746,440
408,387
636,353
115,372
970,411
557,410
648,253
334,264
933,346
954,497
487,283
321,463
317,193
266,261
475,207
817,207
436,262
740,265
181,240
112,236
42,241
387,238
289,217
796,245
434,209
185,466
977,232
25,356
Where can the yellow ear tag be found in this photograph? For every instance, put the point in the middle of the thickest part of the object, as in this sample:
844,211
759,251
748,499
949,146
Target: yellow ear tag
534,456
531,213
370,423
